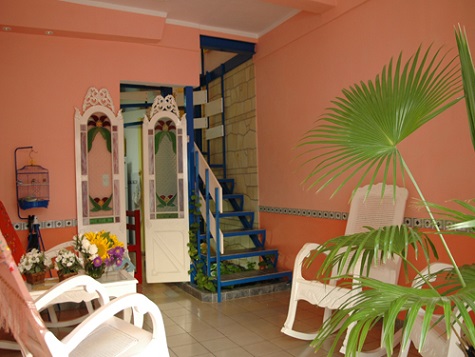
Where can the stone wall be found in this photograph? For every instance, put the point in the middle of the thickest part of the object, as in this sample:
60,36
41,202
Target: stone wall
240,130
241,142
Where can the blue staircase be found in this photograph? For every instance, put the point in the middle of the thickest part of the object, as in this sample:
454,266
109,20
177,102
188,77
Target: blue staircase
211,237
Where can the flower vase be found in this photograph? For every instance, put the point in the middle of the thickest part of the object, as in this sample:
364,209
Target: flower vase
64,276
35,278
93,271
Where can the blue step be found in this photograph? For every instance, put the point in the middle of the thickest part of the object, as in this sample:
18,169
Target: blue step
218,166
254,234
245,232
242,216
235,199
227,184
246,253
252,276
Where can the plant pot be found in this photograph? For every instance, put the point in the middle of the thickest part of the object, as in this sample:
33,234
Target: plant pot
63,276
35,278
94,272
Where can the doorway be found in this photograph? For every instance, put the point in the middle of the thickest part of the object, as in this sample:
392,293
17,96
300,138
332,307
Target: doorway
165,236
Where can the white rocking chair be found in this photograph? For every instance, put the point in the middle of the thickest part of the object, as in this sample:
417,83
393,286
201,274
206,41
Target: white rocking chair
370,210
101,333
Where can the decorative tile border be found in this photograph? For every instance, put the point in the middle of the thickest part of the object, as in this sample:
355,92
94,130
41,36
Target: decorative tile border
409,221
23,226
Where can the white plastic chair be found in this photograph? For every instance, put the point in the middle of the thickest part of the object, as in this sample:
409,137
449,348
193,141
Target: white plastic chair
370,210
101,333
436,343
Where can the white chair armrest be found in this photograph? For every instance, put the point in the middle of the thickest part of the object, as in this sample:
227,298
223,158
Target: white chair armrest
90,286
301,255
140,304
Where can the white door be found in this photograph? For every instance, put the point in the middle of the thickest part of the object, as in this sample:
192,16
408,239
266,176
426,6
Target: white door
165,193
99,145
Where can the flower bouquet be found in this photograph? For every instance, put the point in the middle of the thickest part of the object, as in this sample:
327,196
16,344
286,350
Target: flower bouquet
99,250
67,263
33,265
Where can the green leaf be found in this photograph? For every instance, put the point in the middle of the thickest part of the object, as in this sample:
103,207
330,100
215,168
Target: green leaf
468,77
95,206
106,134
359,134
91,134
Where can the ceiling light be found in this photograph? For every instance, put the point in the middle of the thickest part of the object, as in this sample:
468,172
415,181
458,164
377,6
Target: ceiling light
49,33
6,28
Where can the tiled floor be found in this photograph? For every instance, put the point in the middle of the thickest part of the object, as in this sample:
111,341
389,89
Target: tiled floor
235,328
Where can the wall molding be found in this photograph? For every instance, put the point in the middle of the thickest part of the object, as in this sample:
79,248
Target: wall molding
409,221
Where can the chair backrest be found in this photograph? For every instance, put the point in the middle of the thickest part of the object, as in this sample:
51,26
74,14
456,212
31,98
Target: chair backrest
376,210
18,313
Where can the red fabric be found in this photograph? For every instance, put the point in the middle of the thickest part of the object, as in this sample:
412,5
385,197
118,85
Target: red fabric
10,235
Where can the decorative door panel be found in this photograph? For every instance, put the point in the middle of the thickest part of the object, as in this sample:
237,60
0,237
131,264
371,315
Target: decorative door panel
165,199
99,166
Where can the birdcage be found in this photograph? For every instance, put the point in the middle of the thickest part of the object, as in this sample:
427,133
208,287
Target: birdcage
32,186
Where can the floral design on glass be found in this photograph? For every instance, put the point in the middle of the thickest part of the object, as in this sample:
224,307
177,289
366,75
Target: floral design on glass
166,200
100,204
165,129
98,125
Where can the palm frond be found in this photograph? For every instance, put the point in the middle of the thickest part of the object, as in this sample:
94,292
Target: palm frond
464,218
376,300
468,77
359,134
369,248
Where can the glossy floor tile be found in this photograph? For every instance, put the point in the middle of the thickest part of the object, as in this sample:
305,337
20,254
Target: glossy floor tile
234,328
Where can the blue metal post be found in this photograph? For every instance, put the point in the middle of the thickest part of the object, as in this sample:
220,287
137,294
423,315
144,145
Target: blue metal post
218,244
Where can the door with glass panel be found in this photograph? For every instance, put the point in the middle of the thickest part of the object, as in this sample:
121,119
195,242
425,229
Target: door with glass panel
165,193
99,146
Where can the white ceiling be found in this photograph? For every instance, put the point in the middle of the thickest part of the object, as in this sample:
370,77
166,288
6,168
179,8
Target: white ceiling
250,18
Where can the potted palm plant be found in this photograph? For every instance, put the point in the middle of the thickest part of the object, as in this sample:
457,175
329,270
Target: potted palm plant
358,138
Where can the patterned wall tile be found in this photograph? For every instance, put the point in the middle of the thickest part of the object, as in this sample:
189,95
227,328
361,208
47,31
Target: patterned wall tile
409,221
23,226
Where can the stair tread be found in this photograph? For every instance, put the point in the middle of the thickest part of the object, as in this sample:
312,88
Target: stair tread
242,232
236,213
225,180
256,275
232,195
250,251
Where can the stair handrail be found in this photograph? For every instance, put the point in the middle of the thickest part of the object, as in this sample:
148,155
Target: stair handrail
213,181
215,191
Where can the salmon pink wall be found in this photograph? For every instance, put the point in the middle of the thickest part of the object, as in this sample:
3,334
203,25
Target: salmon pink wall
303,64
44,78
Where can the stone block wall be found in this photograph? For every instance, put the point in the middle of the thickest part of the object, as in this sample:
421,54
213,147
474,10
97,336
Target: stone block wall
241,141
240,131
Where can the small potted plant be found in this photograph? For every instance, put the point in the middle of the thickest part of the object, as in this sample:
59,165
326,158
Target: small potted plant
67,263
33,265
